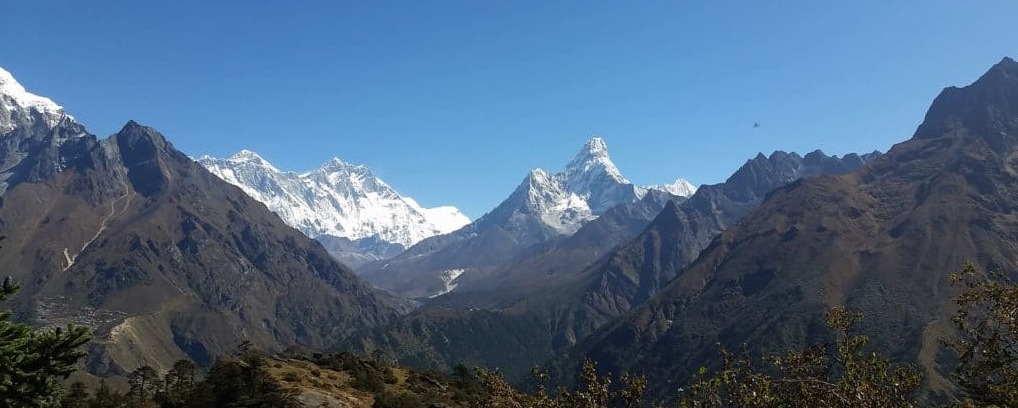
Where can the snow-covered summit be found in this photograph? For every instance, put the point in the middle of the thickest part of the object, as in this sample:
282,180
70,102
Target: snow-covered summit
562,202
338,199
680,187
30,124
245,155
247,158
593,160
15,100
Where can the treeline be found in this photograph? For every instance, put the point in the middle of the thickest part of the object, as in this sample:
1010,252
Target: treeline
247,380
845,373
239,381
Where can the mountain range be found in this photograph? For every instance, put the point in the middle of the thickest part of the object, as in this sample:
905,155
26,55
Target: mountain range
882,239
544,206
166,258
546,298
338,201
159,257
361,219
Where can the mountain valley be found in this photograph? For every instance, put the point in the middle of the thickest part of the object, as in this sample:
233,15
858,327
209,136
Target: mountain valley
166,258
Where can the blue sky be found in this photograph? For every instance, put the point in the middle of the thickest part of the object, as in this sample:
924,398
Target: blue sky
452,102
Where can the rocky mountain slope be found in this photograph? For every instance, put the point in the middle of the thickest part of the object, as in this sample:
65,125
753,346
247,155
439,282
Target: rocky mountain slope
882,239
544,206
556,293
34,128
162,259
338,201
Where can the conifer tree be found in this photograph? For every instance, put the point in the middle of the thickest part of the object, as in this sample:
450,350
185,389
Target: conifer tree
145,383
987,342
32,361
75,397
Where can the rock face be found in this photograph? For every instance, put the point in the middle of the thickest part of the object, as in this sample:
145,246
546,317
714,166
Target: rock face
357,215
162,259
544,206
882,239
714,208
33,130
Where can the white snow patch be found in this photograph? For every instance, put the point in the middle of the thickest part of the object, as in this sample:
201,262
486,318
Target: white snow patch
448,277
14,97
680,187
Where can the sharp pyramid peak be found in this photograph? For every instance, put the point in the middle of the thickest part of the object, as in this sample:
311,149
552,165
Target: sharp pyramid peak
593,157
596,145
595,148
137,130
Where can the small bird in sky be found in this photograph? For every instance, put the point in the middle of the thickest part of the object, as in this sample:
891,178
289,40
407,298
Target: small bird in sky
756,125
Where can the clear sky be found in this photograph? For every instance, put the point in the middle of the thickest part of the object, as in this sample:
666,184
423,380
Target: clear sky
453,102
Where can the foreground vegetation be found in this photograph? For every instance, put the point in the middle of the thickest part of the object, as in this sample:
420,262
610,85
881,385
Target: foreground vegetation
844,373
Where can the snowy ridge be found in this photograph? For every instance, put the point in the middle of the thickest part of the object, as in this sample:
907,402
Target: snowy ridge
14,99
680,187
338,199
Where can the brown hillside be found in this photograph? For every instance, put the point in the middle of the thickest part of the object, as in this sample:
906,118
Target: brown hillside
882,240
165,261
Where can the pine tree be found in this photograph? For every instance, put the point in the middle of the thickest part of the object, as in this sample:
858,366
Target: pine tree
76,396
106,398
32,361
145,383
180,383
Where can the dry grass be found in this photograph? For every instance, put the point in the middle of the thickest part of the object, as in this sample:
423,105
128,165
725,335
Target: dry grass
317,386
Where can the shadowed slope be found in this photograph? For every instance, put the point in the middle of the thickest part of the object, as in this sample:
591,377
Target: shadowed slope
882,239
166,261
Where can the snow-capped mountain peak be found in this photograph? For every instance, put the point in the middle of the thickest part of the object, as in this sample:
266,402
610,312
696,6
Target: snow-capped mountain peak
29,124
246,156
680,187
592,161
338,199
11,88
15,98
336,163
562,202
